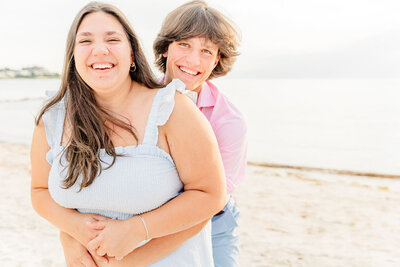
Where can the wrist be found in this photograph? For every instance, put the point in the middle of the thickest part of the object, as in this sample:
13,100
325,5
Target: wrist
64,237
77,227
145,226
139,228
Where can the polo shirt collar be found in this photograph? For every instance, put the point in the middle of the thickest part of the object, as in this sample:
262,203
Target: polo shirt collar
207,97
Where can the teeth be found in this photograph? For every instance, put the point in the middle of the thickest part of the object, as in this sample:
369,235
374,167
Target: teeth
188,71
102,66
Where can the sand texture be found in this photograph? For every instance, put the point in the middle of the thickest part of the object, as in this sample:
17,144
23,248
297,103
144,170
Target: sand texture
288,218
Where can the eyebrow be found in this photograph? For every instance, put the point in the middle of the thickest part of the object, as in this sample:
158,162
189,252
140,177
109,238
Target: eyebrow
210,47
208,44
89,33
204,43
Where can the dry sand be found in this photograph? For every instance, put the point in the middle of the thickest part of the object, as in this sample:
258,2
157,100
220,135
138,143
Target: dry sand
288,218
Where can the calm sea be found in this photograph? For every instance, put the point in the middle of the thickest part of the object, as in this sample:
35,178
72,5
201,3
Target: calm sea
341,124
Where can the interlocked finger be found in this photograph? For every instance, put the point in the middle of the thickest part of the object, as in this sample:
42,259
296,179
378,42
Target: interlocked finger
101,252
88,261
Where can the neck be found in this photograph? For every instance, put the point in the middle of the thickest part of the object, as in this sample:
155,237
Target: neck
198,89
115,99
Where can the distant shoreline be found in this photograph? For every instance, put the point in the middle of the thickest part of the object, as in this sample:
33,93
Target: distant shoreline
34,77
324,170
33,72
275,166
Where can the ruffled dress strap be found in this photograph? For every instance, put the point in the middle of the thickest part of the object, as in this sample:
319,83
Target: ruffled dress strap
163,104
53,120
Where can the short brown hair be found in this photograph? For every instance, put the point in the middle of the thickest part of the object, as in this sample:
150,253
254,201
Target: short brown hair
197,19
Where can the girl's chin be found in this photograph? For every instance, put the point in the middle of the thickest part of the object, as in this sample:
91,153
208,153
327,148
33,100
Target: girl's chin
102,83
101,87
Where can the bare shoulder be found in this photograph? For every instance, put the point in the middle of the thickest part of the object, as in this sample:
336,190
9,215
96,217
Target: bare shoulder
39,136
40,127
183,102
185,112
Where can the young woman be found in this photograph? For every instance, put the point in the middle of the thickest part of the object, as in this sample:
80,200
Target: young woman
195,44
112,150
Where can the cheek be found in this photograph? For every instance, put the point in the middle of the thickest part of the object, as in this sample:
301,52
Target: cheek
80,55
175,53
123,53
210,66
169,65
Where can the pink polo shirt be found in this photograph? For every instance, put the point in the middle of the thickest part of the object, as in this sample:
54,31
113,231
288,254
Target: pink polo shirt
230,129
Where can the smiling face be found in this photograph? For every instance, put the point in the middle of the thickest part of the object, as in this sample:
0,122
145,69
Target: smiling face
102,53
192,61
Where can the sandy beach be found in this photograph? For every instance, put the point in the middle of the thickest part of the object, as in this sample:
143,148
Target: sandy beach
288,218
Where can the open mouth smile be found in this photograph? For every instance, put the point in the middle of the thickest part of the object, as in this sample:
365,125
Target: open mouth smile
102,66
188,71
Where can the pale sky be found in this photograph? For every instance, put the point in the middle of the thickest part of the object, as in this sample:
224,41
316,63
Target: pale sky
281,38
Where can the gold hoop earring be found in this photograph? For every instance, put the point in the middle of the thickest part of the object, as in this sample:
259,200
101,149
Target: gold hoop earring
133,67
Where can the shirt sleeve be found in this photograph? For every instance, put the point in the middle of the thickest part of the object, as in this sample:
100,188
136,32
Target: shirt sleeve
232,141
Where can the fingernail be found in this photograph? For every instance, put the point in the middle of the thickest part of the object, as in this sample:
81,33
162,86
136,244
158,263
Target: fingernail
88,222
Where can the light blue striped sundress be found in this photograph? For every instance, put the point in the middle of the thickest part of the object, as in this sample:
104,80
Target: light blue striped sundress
142,180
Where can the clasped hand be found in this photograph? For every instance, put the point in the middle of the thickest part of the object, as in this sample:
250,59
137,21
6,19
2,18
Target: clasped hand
115,238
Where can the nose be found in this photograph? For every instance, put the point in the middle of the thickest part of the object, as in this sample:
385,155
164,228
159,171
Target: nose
100,49
193,58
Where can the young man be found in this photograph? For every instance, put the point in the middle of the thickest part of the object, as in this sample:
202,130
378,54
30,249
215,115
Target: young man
195,44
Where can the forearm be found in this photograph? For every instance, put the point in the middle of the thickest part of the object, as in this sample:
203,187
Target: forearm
200,169
62,218
185,211
161,247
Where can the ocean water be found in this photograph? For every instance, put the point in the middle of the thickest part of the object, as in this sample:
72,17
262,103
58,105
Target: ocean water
341,124
20,101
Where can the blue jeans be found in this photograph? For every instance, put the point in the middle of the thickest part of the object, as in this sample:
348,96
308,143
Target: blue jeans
225,239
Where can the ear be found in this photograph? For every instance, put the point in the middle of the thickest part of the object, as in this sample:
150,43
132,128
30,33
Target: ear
217,60
132,57
165,54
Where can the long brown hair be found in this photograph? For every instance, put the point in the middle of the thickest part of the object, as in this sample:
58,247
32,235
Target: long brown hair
89,132
197,19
